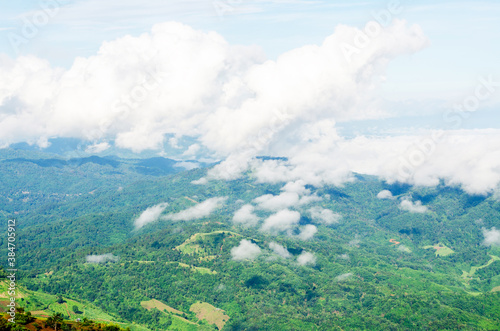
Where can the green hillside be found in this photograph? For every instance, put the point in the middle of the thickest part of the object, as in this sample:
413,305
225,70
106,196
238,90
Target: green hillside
374,267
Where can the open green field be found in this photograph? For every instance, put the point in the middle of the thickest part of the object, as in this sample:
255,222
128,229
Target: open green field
192,244
44,305
178,322
473,270
153,303
441,250
201,270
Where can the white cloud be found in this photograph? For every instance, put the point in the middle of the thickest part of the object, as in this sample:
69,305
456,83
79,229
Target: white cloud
245,216
297,187
306,258
201,181
307,199
324,216
150,215
343,277
192,150
279,250
412,207
385,194
200,210
277,202
178,81
187,165
245,251
281,221
491,237
307,232
271,171
293,194
469,158
101,258
98,148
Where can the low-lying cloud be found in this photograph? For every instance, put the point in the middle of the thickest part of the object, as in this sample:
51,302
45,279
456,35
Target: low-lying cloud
246,250
200,210
412,207
293,194
150,215
279,250
384,194
491,237
245,216
281,221
101,258
277,202
324,216
306,258
307,232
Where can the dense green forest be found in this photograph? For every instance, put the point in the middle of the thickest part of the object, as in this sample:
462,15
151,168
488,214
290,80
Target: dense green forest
373,266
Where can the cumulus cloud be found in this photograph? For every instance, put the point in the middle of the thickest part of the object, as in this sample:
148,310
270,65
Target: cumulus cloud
97,148
281,221
469,158
150,215
491,237
306,258
293,194
201,181
412,207
187,165
246,250
181,82
279,250
101,258
277,202
192,150
324,216
385,194
307,232
245,215
200,210
297,187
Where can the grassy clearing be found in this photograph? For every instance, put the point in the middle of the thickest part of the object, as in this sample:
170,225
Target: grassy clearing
441,250
178,322
209,313
153,303
191,245
495,289
201,270
43,305
473,270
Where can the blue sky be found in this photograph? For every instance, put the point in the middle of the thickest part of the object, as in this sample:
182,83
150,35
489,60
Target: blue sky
464,35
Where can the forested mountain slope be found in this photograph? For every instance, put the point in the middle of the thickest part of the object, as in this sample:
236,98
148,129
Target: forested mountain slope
153,248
